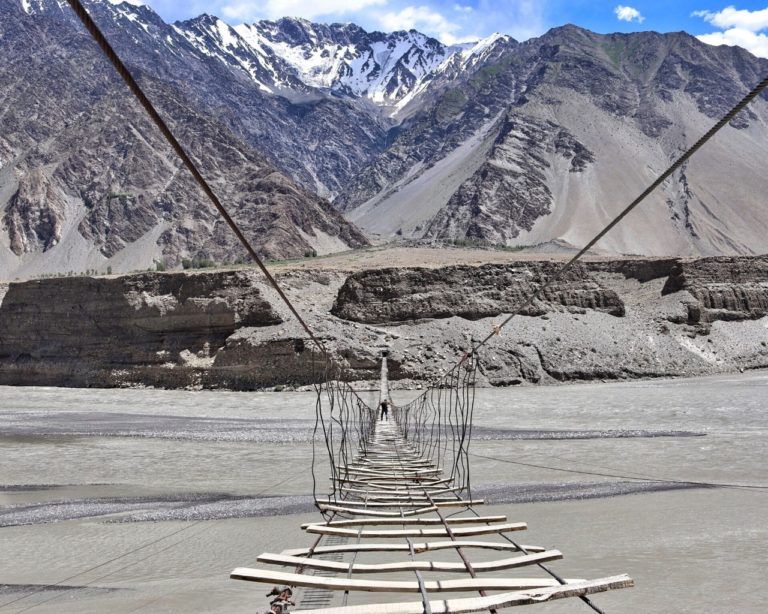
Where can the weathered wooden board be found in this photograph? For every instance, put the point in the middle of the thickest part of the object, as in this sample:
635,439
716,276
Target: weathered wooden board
499,564
399,491
357,511
418,547
267,576
397,533
470,605
404,504
407,521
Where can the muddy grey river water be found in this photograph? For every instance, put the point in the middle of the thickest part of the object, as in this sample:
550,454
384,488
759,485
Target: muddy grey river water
144,500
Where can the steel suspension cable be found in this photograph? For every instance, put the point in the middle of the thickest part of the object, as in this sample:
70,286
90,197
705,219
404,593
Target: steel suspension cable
161,124
127,553
551,280
145,102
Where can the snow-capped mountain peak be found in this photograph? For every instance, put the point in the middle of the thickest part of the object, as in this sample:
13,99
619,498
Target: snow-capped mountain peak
293,57
347,60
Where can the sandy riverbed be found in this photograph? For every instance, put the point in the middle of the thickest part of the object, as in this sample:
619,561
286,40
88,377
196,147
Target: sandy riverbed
81,459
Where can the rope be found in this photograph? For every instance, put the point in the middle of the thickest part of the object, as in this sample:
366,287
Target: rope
330,366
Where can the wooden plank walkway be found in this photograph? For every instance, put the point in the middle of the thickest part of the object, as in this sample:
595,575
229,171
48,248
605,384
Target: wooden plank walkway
392,483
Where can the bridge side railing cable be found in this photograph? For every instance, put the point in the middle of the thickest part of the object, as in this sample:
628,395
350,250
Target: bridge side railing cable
447,407
155,116
451,400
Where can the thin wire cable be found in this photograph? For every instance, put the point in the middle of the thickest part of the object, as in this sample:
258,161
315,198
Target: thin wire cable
155,116
128,553
626,477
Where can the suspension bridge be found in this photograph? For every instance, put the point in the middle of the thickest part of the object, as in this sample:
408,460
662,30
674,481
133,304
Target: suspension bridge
400,487
410,472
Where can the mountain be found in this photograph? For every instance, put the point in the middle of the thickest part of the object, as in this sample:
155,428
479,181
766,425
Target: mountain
345,59
554,136
496,141
86,181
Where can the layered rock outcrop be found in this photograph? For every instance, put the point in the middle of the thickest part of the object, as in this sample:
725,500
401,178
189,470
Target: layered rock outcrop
397,295
724,288
228,329
85,331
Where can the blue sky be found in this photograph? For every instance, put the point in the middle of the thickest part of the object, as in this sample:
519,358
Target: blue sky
718,22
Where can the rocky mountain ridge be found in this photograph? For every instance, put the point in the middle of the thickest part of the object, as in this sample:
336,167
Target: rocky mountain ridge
498,142
87,182
557,133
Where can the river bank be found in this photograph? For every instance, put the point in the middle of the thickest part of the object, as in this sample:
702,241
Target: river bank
608,319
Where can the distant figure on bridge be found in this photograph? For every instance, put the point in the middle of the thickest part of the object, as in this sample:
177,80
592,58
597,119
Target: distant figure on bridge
384,410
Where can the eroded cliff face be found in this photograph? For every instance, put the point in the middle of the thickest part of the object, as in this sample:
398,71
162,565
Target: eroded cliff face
724,288
86,331
228,329
397,295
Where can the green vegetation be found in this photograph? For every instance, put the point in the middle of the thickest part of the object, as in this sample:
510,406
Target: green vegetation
614,51
450,104
197,263
86,273
478,243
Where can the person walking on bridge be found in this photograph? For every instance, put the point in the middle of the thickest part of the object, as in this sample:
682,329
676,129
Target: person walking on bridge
384,410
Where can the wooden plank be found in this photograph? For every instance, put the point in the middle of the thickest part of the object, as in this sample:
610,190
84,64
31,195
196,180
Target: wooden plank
397,499
381,465
398,485
396,533
418,547
393,462
385,482
395,521
267,576
336,566
398,473
405,491
355,511
395,488
469,605
405,504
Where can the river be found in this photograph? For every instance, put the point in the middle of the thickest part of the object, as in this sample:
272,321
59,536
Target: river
144,500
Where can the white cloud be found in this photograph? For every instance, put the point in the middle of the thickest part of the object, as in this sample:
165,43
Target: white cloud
309,9
460,8
738,27
731,17
421,18
628,13
756,43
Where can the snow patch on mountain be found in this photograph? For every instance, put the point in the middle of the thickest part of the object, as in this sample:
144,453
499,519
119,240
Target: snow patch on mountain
345,59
